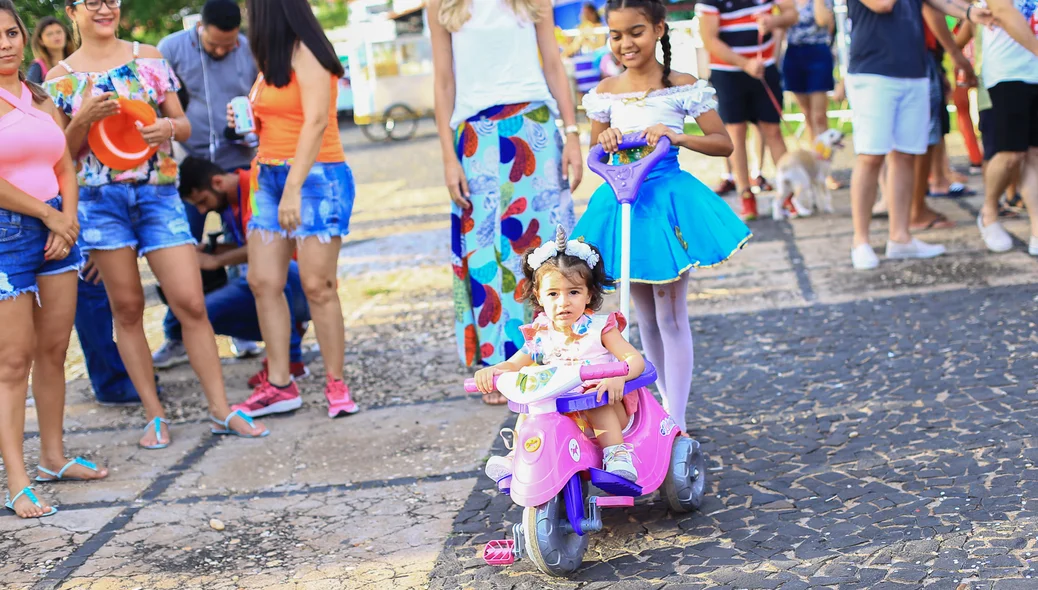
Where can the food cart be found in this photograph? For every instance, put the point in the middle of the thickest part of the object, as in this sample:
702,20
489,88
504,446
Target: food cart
391,71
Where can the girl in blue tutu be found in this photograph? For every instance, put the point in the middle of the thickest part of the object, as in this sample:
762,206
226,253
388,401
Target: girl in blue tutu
677,222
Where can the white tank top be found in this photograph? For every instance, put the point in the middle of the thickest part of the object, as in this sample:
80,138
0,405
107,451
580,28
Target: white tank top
1005,60
496,62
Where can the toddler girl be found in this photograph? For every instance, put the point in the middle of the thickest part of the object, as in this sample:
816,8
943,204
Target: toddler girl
565,280
677,222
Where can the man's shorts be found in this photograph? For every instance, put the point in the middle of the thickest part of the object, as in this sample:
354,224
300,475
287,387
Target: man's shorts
889,114
1014,118
741,98
940,121
987,134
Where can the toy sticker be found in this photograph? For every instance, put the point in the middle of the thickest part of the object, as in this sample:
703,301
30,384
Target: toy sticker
574,449
667,425
532,444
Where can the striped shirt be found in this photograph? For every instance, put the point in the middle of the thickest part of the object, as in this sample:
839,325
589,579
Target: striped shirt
738,29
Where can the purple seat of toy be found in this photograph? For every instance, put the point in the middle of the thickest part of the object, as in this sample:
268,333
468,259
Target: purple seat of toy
625,179
614,484
588,401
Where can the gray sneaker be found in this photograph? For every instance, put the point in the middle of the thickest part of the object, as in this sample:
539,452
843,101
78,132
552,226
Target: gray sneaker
171,354
244,349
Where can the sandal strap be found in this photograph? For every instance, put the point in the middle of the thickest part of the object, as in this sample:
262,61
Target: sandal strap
77,461
156,423
226,422
27,492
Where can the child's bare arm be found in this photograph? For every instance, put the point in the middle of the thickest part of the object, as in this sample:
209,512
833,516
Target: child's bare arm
614,342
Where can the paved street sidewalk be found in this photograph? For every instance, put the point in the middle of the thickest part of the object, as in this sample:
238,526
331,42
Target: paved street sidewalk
864,430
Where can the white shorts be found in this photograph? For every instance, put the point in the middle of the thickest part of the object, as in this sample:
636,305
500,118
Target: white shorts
889,114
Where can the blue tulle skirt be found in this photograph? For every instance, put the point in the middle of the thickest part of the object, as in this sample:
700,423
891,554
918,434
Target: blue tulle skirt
677,223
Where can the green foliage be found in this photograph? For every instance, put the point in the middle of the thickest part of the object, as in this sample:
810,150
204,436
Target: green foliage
147,21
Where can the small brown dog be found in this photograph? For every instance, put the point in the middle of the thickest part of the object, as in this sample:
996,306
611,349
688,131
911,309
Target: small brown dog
800,178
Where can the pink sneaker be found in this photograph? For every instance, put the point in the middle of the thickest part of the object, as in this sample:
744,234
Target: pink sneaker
339,402
267,399
298,370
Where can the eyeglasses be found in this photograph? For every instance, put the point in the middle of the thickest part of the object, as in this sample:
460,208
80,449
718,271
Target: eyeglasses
95,5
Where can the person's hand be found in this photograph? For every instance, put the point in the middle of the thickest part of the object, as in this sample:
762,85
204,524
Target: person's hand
57,247
613,388
610,140
63,226
94,108
755,68
969,77
457,185
157,133
289,215
230,116
765,22
572,162
982,15
90,272
653,134
207,261
840,92
485,378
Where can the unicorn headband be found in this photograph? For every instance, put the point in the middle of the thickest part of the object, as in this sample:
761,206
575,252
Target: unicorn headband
550,250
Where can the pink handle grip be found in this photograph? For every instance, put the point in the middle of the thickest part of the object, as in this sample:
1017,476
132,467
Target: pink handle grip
470,385
594,372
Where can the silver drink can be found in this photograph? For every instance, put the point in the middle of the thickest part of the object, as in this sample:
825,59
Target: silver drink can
243,121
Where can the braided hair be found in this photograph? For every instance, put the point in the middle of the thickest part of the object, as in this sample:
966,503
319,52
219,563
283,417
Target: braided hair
656,12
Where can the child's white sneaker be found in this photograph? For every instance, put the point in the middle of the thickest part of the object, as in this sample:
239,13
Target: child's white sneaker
499,467
619,460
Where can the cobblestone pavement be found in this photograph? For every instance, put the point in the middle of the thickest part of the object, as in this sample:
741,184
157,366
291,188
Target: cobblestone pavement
864,430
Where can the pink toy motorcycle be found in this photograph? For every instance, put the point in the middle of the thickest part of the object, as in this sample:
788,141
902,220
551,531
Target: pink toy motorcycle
555,460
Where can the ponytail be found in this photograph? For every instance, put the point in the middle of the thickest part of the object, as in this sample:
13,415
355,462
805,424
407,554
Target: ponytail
665,44
39,95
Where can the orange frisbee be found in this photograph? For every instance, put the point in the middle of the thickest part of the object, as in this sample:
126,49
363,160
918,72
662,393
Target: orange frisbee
116,141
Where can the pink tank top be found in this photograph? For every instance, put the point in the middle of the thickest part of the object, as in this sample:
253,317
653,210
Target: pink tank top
41,144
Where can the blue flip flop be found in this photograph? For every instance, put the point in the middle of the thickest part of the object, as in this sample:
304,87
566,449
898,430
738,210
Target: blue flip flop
27,492
60,475
955,190
157,423
225,423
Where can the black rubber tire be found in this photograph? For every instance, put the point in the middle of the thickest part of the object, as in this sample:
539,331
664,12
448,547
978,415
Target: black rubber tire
375,132
401,122
548,547
685,484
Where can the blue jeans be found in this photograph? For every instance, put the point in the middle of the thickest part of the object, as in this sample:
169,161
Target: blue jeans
104,367
326,201
142,216
22,241
232,311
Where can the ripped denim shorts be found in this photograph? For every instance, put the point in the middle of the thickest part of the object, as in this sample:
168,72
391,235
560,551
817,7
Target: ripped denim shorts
22,242
145,217
326,200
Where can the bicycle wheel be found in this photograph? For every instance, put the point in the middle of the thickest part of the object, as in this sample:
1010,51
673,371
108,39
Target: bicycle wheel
375,131
401,122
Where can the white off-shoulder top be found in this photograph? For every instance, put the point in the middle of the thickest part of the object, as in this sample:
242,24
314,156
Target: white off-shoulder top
636,111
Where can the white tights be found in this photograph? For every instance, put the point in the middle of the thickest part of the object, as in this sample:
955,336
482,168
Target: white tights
667,338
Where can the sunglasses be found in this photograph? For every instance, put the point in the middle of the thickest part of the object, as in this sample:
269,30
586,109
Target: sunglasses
95,5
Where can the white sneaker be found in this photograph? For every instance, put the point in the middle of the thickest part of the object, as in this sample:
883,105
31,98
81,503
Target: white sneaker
864,257
244,349
499,467
996,238
170,354
619,460
1032,248
914,249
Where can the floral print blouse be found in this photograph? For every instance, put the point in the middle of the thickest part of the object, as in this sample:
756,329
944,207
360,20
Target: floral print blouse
146,79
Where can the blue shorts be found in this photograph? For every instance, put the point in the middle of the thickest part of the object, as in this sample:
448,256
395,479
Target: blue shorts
808,68
327,200
22,243
145,217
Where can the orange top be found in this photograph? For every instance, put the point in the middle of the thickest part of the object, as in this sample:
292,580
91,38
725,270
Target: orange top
280,112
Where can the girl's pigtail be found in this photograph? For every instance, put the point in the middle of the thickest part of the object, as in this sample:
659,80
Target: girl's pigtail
665,43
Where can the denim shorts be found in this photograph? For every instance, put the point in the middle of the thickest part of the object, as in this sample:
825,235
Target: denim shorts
326,200
22,242
807,69
145,217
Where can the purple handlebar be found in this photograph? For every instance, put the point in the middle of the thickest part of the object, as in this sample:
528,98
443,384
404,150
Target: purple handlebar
627,178
588,373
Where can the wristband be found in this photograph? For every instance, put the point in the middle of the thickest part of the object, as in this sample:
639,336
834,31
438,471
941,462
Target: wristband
572,130
968,8
172,129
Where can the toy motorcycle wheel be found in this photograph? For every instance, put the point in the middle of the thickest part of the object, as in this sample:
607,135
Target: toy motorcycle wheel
686,479
551,544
